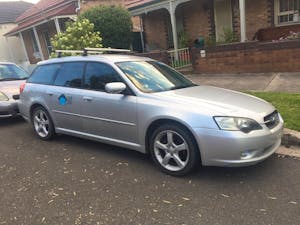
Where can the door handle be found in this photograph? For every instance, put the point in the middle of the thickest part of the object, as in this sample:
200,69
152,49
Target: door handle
50,93
87,99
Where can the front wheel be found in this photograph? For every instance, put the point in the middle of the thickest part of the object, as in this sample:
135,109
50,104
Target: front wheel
42,123
174,150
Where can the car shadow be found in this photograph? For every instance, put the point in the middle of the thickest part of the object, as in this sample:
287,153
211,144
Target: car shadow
146,165
11,121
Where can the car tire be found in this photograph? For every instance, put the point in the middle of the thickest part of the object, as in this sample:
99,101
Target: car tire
174,150
42,123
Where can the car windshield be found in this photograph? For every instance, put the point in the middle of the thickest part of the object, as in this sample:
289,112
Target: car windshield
153,76
12,72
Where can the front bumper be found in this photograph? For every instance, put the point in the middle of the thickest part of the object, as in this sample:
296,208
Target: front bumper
9,109
227,148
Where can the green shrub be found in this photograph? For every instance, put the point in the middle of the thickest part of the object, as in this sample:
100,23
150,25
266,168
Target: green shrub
228,36
113,22
183,40
78,35
210,41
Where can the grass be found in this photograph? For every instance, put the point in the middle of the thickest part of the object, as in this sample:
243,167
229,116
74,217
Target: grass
287,104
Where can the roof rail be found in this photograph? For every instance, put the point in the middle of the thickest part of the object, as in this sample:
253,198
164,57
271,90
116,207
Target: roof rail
86,51
59,52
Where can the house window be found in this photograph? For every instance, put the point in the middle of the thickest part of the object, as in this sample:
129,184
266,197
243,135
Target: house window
288,11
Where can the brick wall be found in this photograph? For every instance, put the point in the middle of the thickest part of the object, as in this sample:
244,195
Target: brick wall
249,57
257,16
28,45
197,17
155,29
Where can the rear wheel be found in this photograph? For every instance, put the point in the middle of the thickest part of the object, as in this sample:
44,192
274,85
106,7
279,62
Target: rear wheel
174,150
42,123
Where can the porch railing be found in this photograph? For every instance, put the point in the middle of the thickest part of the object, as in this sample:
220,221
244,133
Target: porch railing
180,58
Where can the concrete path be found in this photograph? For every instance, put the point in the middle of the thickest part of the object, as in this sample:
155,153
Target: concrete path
275,82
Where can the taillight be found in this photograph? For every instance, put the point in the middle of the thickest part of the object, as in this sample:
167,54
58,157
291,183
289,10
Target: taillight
22,86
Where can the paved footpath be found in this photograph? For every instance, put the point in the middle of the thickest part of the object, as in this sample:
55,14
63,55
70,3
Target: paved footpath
276,82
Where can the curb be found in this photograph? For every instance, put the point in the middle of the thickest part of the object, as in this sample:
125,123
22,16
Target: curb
290,145
290,138
290,152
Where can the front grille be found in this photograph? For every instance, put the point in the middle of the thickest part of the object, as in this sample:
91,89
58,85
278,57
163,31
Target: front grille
272,120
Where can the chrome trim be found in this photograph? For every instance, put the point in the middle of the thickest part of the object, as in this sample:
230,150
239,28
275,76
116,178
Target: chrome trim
95,118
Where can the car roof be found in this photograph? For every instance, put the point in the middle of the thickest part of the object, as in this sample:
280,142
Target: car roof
109,58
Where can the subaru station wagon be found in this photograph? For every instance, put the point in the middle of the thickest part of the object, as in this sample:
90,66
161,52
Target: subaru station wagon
144,105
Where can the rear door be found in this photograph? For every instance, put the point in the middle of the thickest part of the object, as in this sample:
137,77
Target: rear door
112,116
66,97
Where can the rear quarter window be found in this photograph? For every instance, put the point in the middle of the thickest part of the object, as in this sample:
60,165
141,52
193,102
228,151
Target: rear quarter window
70,75
44,74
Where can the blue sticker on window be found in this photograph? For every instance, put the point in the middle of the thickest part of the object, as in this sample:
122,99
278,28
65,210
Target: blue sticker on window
62,100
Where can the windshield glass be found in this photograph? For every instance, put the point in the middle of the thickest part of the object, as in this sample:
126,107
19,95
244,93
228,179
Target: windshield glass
12,72
153,76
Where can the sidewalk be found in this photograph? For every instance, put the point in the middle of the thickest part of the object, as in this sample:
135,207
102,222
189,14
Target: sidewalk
275,82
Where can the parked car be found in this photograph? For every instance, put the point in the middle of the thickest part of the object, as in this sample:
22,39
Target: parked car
144,105
11,76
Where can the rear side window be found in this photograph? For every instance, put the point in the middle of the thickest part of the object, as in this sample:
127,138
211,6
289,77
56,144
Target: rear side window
97,75
44,74
70,75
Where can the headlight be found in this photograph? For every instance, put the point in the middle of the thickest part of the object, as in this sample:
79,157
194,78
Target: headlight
235,123
3,97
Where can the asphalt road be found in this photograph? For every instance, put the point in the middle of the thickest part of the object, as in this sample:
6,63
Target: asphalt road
73,181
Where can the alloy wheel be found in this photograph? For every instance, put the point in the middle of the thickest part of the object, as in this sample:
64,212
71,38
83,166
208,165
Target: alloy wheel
41,123
171,150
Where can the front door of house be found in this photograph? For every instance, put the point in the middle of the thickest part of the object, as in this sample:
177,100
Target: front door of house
223,18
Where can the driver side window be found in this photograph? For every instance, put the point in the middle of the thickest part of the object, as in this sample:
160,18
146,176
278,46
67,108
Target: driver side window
97,75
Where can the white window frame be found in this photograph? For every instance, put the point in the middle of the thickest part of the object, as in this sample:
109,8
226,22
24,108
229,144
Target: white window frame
278,13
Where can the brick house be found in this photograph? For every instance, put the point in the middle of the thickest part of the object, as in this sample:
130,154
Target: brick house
209,18
39,23
253,22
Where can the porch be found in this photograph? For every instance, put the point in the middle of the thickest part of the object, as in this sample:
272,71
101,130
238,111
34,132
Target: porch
174,24
224,26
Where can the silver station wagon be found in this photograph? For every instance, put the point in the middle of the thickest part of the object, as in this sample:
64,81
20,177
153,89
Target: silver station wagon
144,105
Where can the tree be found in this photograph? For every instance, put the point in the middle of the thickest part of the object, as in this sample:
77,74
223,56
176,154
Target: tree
113,22
78,35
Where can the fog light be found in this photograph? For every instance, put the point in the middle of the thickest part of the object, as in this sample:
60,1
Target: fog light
247,154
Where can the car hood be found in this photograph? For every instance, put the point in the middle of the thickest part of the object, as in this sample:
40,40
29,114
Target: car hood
10,88
220,101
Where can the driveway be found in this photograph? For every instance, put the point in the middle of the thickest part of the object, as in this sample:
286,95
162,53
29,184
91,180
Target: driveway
74,181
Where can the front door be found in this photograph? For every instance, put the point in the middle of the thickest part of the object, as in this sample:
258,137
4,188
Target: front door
107,116
223,18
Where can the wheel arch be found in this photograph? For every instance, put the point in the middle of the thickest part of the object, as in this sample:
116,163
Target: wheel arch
34,106
158,122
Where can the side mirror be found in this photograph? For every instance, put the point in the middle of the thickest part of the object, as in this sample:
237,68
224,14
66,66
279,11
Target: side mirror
115,87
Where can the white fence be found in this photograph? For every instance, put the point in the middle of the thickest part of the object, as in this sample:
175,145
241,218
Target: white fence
180,58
